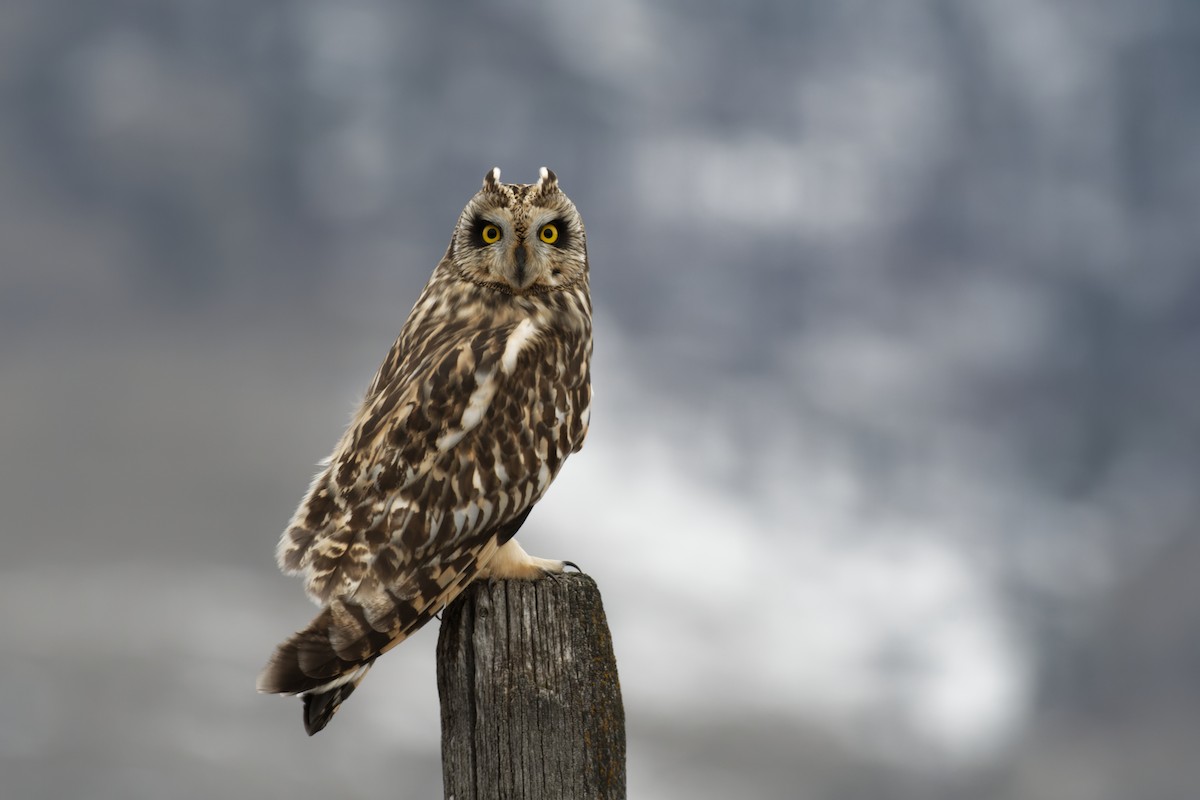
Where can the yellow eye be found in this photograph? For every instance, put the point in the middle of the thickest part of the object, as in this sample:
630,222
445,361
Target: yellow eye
548,233
491,234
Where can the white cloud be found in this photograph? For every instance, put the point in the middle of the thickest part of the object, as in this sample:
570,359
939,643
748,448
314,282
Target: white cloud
788,598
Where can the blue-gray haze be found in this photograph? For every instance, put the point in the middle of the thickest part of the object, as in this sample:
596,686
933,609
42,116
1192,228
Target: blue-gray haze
891,487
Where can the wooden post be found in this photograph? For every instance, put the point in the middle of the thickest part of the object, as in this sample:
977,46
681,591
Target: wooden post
531,706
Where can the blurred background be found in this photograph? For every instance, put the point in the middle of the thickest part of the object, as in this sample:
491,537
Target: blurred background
891,486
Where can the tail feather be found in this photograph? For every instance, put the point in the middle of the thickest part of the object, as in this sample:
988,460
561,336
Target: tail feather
308,663
327,660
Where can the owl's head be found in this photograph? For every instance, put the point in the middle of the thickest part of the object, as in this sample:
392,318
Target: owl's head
520,238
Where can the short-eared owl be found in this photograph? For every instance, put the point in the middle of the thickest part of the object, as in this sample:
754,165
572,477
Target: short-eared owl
480,400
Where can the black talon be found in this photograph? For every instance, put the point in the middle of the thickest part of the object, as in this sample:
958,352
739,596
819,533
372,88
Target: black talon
572,564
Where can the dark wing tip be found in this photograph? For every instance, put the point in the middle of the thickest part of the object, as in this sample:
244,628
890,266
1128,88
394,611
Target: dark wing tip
320,708
307,664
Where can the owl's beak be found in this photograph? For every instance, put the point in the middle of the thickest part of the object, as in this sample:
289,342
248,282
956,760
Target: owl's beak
522,279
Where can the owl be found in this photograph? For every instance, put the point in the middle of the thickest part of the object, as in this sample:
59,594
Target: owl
470,417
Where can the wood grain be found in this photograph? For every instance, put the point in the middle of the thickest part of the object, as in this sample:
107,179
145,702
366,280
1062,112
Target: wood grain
531,703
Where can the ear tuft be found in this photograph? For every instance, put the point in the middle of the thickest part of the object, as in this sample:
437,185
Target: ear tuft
547,180
491,181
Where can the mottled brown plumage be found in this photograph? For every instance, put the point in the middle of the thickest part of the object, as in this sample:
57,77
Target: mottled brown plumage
468,420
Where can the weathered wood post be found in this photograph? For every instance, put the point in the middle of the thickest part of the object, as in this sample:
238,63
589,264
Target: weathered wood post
531,705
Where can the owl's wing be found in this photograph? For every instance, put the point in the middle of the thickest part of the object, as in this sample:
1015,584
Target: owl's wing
442,451
452,447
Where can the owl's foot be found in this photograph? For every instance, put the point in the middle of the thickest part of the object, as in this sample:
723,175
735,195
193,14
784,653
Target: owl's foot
511,561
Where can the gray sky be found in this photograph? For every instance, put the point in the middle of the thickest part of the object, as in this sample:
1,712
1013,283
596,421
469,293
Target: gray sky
897,335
